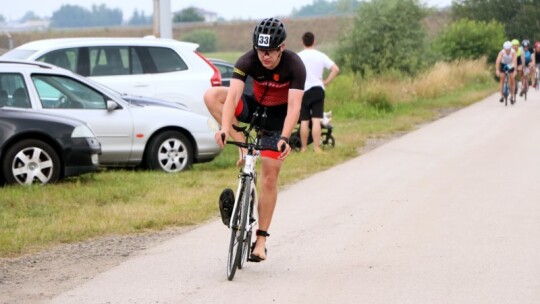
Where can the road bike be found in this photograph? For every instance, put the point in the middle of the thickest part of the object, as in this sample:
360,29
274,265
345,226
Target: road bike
244,215
536,77
506,88
525,82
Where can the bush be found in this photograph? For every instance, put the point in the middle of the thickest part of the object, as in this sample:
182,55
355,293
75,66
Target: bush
205,38
386,34
469,39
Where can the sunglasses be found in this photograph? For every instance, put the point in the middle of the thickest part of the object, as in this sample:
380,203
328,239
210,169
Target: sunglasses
267,52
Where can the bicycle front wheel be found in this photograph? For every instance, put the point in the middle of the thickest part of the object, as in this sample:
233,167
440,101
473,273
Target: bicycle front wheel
240,238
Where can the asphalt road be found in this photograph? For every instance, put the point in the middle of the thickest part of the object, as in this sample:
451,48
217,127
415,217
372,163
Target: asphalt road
449,213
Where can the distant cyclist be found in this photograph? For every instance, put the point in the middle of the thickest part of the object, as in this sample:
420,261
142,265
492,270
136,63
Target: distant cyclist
507,61
527,60
278,86
519,66
536,60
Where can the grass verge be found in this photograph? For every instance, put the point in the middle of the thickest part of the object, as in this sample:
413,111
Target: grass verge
131,201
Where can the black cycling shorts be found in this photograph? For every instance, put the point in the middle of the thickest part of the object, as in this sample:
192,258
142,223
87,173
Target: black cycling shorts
504,67
274,121
312,104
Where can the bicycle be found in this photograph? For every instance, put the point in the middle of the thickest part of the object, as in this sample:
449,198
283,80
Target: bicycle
506,88
525,82
244,215
537,77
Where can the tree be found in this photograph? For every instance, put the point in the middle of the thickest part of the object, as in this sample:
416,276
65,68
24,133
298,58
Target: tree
29,16
386,34
77,16
470,39
139,18
518,16
205,38
325,8
189,14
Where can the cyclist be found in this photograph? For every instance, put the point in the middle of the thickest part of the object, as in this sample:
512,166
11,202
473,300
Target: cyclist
313,101
517,49
536,60
278,85
506,61
528,64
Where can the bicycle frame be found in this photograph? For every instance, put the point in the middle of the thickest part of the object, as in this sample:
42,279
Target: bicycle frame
248,174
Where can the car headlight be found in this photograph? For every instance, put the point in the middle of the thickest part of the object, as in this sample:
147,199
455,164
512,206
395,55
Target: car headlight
212,124
82,131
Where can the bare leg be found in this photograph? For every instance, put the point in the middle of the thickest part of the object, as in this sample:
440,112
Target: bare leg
304,133
502,84
512,84
214,98
316,133
267,202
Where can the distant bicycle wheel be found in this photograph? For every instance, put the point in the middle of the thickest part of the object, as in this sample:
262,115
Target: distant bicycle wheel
329,142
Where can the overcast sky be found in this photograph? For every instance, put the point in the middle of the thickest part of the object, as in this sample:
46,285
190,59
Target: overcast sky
229,9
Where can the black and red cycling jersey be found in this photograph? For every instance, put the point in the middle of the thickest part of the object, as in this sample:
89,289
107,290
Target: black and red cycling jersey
271,87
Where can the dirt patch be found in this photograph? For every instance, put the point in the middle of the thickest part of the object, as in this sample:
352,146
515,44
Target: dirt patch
38,278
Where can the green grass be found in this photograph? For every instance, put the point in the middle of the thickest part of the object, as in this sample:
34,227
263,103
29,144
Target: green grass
132,201
227,56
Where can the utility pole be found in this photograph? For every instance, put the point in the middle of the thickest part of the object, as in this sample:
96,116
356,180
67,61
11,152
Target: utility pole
162,19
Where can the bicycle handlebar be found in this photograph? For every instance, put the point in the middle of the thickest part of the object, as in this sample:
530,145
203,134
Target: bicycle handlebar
247,145
256,147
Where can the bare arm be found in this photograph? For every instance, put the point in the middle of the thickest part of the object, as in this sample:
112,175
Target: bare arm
334,70
293,114
498,62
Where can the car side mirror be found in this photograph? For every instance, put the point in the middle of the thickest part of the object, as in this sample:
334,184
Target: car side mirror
112,105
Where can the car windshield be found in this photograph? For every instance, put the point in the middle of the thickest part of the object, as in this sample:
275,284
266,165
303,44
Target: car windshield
18,54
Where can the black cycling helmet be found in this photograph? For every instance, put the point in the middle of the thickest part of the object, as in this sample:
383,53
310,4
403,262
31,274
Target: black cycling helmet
269,34
525,43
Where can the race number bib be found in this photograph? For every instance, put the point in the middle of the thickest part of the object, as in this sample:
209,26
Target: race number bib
264,40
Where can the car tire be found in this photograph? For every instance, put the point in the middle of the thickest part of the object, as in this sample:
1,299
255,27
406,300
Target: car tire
169,151
31,161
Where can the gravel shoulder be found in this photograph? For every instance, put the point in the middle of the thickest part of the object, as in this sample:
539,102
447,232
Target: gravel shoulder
37,278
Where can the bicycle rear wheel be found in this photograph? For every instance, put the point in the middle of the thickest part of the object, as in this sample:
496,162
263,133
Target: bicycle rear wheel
239,236
505,93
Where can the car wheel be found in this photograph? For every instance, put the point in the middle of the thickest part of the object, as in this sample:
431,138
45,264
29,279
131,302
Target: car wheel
169,151
31,161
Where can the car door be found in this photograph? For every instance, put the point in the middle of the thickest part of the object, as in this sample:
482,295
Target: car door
69,97
120,68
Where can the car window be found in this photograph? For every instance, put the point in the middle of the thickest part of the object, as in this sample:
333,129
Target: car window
67,93
66,58
108,61
13,91
166,60
225,70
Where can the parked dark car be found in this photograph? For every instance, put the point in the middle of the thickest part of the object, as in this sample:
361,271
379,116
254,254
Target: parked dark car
226,69
40,148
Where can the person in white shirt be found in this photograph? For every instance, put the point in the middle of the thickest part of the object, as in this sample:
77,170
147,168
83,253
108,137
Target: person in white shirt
313,101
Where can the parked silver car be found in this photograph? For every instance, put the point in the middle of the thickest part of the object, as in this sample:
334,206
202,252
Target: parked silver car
133,131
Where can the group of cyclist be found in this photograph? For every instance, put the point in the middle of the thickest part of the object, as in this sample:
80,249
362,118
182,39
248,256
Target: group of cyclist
518,60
